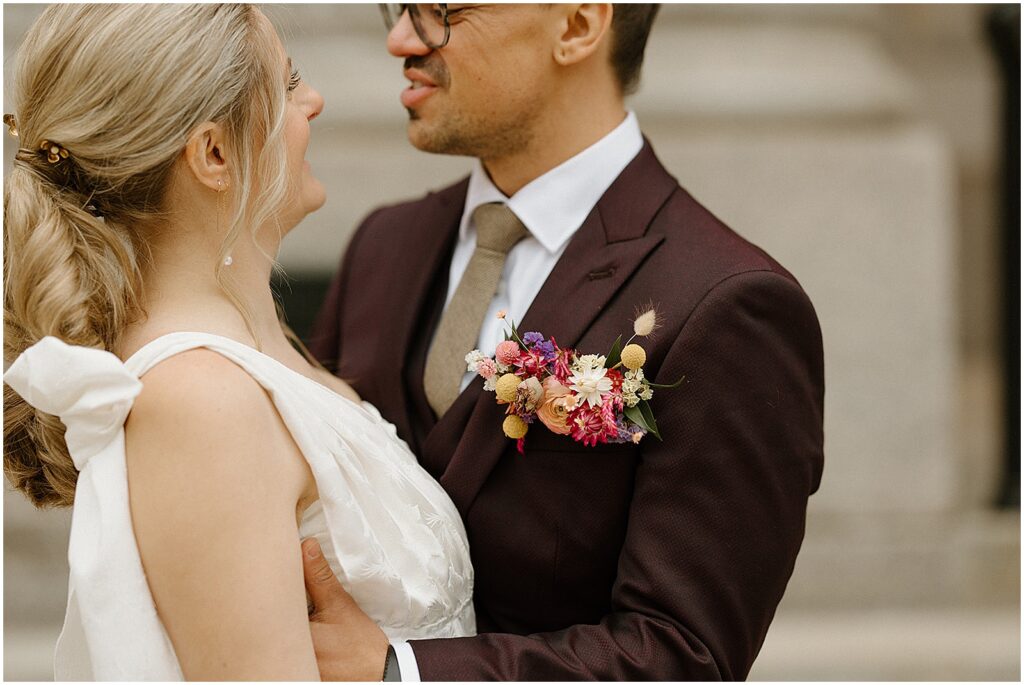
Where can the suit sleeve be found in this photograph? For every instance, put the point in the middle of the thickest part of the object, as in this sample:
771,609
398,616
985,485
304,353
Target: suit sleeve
718,510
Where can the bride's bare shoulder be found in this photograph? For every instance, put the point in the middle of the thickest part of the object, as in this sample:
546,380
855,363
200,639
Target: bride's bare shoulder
196,389
201,417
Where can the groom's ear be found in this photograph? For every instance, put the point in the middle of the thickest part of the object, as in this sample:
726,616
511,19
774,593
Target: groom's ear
584,30
206,155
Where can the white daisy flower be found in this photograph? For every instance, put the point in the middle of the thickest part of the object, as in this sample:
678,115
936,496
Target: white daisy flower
590,383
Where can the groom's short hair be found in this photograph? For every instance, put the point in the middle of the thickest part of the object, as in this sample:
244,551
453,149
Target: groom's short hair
631,24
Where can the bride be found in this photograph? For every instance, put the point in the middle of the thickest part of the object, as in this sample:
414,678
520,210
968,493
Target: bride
151,383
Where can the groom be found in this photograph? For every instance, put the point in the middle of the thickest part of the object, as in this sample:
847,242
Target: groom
662,560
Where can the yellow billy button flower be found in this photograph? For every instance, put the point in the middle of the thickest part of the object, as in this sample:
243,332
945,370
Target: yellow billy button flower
514,427
506,387
633,357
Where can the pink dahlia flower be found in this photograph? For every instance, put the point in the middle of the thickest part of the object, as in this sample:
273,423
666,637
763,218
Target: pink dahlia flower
507,352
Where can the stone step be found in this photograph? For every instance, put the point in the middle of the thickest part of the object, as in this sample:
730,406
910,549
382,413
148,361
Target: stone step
906,560
945,644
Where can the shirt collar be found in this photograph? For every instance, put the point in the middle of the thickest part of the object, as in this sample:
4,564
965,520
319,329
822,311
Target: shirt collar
553,206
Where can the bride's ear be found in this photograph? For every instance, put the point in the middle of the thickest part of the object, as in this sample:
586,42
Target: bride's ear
206,155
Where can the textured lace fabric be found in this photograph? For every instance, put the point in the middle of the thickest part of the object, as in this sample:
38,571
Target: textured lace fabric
389,531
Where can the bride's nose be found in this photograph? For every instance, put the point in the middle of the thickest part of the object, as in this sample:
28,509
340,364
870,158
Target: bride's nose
314,104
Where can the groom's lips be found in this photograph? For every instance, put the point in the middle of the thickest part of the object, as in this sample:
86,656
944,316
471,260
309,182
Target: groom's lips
421,88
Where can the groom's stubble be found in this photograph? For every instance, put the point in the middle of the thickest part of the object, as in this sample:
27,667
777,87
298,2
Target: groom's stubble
459,129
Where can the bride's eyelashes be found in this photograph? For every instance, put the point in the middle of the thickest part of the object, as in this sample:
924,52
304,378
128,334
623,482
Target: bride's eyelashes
294,80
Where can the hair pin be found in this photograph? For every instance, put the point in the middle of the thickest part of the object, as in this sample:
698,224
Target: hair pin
12,125
54,152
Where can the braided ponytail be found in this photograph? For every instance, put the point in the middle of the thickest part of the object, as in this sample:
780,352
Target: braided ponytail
120,88
67,274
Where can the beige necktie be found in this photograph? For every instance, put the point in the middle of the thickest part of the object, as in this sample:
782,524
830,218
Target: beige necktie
497,230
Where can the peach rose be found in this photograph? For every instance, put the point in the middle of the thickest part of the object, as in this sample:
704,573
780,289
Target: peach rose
558,402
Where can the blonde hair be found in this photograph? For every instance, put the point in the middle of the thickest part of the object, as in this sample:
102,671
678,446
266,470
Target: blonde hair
120,87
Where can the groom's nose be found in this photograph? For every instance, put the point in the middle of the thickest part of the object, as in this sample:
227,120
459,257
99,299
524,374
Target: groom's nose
403,41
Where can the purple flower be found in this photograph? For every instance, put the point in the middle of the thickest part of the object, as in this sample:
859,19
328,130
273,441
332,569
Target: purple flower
532,338
624,435
545,349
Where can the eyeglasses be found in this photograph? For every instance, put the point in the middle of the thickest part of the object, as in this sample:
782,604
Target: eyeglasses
429,19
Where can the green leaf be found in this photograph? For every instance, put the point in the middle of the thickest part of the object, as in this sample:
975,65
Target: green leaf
515,335
648,415
636,416
674,385
642,416
615,356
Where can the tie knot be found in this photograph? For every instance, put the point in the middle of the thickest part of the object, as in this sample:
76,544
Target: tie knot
497,227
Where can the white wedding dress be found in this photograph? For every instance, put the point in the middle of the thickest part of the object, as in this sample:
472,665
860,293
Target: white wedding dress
391,534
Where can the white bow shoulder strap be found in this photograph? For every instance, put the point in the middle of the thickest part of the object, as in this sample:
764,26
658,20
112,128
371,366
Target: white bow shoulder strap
90,390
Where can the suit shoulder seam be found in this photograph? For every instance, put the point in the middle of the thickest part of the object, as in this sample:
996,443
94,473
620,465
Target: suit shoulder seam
725,279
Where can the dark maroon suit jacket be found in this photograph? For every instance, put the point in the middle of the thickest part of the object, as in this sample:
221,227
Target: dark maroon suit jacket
664,560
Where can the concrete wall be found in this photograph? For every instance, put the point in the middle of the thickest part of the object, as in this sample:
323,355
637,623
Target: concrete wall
857,145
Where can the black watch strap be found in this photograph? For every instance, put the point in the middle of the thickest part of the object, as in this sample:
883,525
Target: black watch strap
392,674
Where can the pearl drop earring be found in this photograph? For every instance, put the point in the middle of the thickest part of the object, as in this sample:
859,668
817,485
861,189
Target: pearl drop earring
228,261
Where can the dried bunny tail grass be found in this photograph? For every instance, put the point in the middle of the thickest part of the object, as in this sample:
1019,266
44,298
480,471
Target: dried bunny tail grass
646,321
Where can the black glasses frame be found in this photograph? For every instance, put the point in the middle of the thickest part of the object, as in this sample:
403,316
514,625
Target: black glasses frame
417,22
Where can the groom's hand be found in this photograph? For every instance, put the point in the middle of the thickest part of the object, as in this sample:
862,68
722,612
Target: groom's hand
348,644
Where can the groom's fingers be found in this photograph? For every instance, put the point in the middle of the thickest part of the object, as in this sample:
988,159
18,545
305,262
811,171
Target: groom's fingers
324,590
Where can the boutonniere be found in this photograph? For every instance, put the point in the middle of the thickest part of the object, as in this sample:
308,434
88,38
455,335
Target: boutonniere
591,398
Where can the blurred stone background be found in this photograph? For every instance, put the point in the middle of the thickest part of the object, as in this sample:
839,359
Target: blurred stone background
862,146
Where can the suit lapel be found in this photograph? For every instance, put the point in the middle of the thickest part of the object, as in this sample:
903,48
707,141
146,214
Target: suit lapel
422,263
403,308
610,245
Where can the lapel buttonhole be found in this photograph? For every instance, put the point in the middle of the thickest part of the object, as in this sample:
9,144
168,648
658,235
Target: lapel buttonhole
603,273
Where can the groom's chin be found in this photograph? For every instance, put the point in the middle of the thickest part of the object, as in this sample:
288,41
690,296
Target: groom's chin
427,139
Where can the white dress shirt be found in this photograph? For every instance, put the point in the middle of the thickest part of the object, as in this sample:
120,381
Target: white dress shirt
552,207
